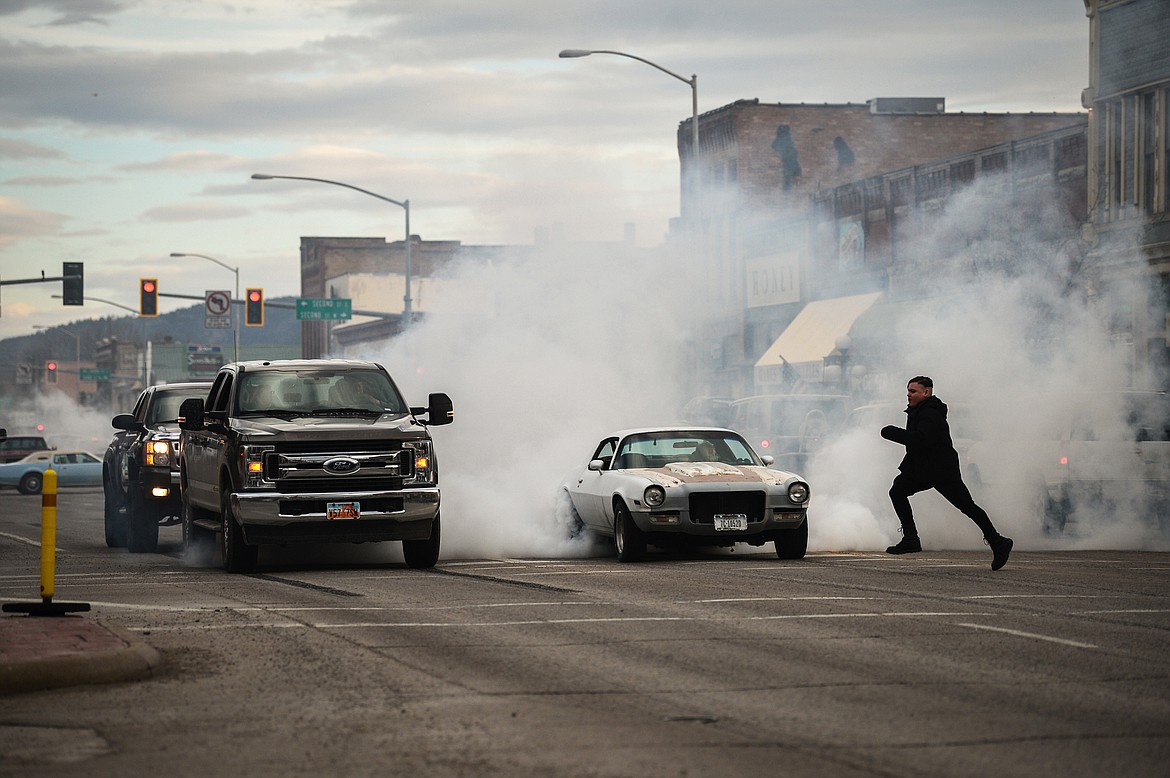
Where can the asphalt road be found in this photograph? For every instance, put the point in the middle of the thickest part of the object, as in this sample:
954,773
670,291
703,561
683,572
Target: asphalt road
686,665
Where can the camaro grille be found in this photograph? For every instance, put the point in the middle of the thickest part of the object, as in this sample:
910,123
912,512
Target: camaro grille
704,505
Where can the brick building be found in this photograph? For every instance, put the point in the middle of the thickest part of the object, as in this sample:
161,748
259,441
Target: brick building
761,167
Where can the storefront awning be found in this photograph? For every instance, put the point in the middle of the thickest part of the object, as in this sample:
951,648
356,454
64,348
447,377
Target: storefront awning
813,334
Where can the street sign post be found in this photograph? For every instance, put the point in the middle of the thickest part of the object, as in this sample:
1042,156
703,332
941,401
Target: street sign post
321,309
94,374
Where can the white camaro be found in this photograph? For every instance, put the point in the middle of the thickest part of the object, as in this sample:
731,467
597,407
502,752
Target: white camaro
687,485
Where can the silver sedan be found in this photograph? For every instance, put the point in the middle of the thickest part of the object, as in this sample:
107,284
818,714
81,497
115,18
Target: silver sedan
681,485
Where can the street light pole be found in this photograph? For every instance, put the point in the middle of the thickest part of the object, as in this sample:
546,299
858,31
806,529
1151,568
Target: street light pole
403,204
693,82
235,313
77,338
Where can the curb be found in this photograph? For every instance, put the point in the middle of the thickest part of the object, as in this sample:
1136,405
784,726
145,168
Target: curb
133,661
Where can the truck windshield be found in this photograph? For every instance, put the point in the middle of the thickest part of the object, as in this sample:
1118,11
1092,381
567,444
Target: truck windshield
319,392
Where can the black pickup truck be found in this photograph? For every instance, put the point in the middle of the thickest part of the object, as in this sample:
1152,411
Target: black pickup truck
309,452
140,469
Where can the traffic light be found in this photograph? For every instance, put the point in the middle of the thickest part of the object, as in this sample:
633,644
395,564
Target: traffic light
148,297
73,283
254,308
51,371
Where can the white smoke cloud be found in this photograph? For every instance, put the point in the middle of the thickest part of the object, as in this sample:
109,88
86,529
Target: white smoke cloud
573,349
1011,319
1017,339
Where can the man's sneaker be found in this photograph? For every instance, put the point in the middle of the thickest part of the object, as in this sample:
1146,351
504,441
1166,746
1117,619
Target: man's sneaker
1000,548
906,546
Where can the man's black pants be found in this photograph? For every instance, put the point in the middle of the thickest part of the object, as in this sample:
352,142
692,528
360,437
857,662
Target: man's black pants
952,489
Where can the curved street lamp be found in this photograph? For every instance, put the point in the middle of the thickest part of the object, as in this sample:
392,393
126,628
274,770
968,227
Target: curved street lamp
235,313
693,82
403,204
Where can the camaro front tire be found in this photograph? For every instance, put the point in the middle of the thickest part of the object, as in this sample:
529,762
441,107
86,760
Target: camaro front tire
792,543
629,539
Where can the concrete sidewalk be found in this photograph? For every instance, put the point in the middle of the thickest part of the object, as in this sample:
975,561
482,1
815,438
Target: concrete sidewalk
50,652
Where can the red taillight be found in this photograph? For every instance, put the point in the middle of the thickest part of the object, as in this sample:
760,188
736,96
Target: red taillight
1064,460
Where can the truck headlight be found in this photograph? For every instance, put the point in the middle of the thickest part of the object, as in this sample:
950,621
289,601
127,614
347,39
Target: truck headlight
252,465
798,492
157,453
423,469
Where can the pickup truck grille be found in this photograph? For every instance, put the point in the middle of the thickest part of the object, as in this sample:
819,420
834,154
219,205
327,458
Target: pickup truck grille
352,468
704,505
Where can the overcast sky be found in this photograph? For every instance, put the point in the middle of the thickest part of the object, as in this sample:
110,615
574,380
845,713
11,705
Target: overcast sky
129,128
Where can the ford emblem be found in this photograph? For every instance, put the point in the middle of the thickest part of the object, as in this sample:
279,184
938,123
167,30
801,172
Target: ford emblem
341,466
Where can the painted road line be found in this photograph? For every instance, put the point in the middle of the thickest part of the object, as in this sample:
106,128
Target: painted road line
1031,635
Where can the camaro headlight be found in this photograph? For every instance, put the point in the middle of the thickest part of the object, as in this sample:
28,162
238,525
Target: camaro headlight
654,495
798,492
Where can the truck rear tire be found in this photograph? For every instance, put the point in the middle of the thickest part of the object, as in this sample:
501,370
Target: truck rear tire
423,554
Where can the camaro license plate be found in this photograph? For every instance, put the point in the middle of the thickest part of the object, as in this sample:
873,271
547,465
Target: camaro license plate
343,510
731,521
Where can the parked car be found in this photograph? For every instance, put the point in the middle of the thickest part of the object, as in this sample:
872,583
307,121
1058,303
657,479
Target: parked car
18,447
140,473
687,486
73,468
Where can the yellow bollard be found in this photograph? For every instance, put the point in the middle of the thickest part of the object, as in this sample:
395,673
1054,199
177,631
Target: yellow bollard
48,533
48,559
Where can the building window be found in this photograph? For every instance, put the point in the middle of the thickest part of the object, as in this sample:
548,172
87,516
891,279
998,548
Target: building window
1149,154
995,163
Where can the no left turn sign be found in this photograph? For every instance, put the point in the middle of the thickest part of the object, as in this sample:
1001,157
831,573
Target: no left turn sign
218,303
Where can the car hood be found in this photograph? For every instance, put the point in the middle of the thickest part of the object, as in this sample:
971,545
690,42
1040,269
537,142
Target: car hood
678,473
330,427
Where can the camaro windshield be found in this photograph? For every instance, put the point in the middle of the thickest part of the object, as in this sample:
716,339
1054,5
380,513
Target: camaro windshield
656,449
319,392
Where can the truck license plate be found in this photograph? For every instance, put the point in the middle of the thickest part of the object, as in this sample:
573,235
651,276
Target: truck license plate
343,510
731,521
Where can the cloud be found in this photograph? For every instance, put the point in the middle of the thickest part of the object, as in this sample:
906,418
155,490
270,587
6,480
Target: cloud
12,148
19,222
72,12
194,212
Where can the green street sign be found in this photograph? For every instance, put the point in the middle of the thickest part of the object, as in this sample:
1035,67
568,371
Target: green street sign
95,374
320,309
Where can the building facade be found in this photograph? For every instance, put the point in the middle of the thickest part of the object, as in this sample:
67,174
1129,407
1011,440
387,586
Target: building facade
761,252
1128,98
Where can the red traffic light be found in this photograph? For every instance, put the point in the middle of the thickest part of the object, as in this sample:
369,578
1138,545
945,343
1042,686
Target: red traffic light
148,297
51,365
254,307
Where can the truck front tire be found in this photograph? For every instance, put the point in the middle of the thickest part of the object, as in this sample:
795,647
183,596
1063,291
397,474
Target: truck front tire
423,554
238,556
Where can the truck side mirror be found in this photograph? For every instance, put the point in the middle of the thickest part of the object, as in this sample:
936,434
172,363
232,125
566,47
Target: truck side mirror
439,409
126,421
191,414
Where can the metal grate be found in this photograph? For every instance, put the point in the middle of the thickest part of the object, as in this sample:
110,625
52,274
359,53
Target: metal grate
704,505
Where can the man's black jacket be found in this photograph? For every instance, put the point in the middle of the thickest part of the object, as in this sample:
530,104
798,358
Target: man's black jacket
930,453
